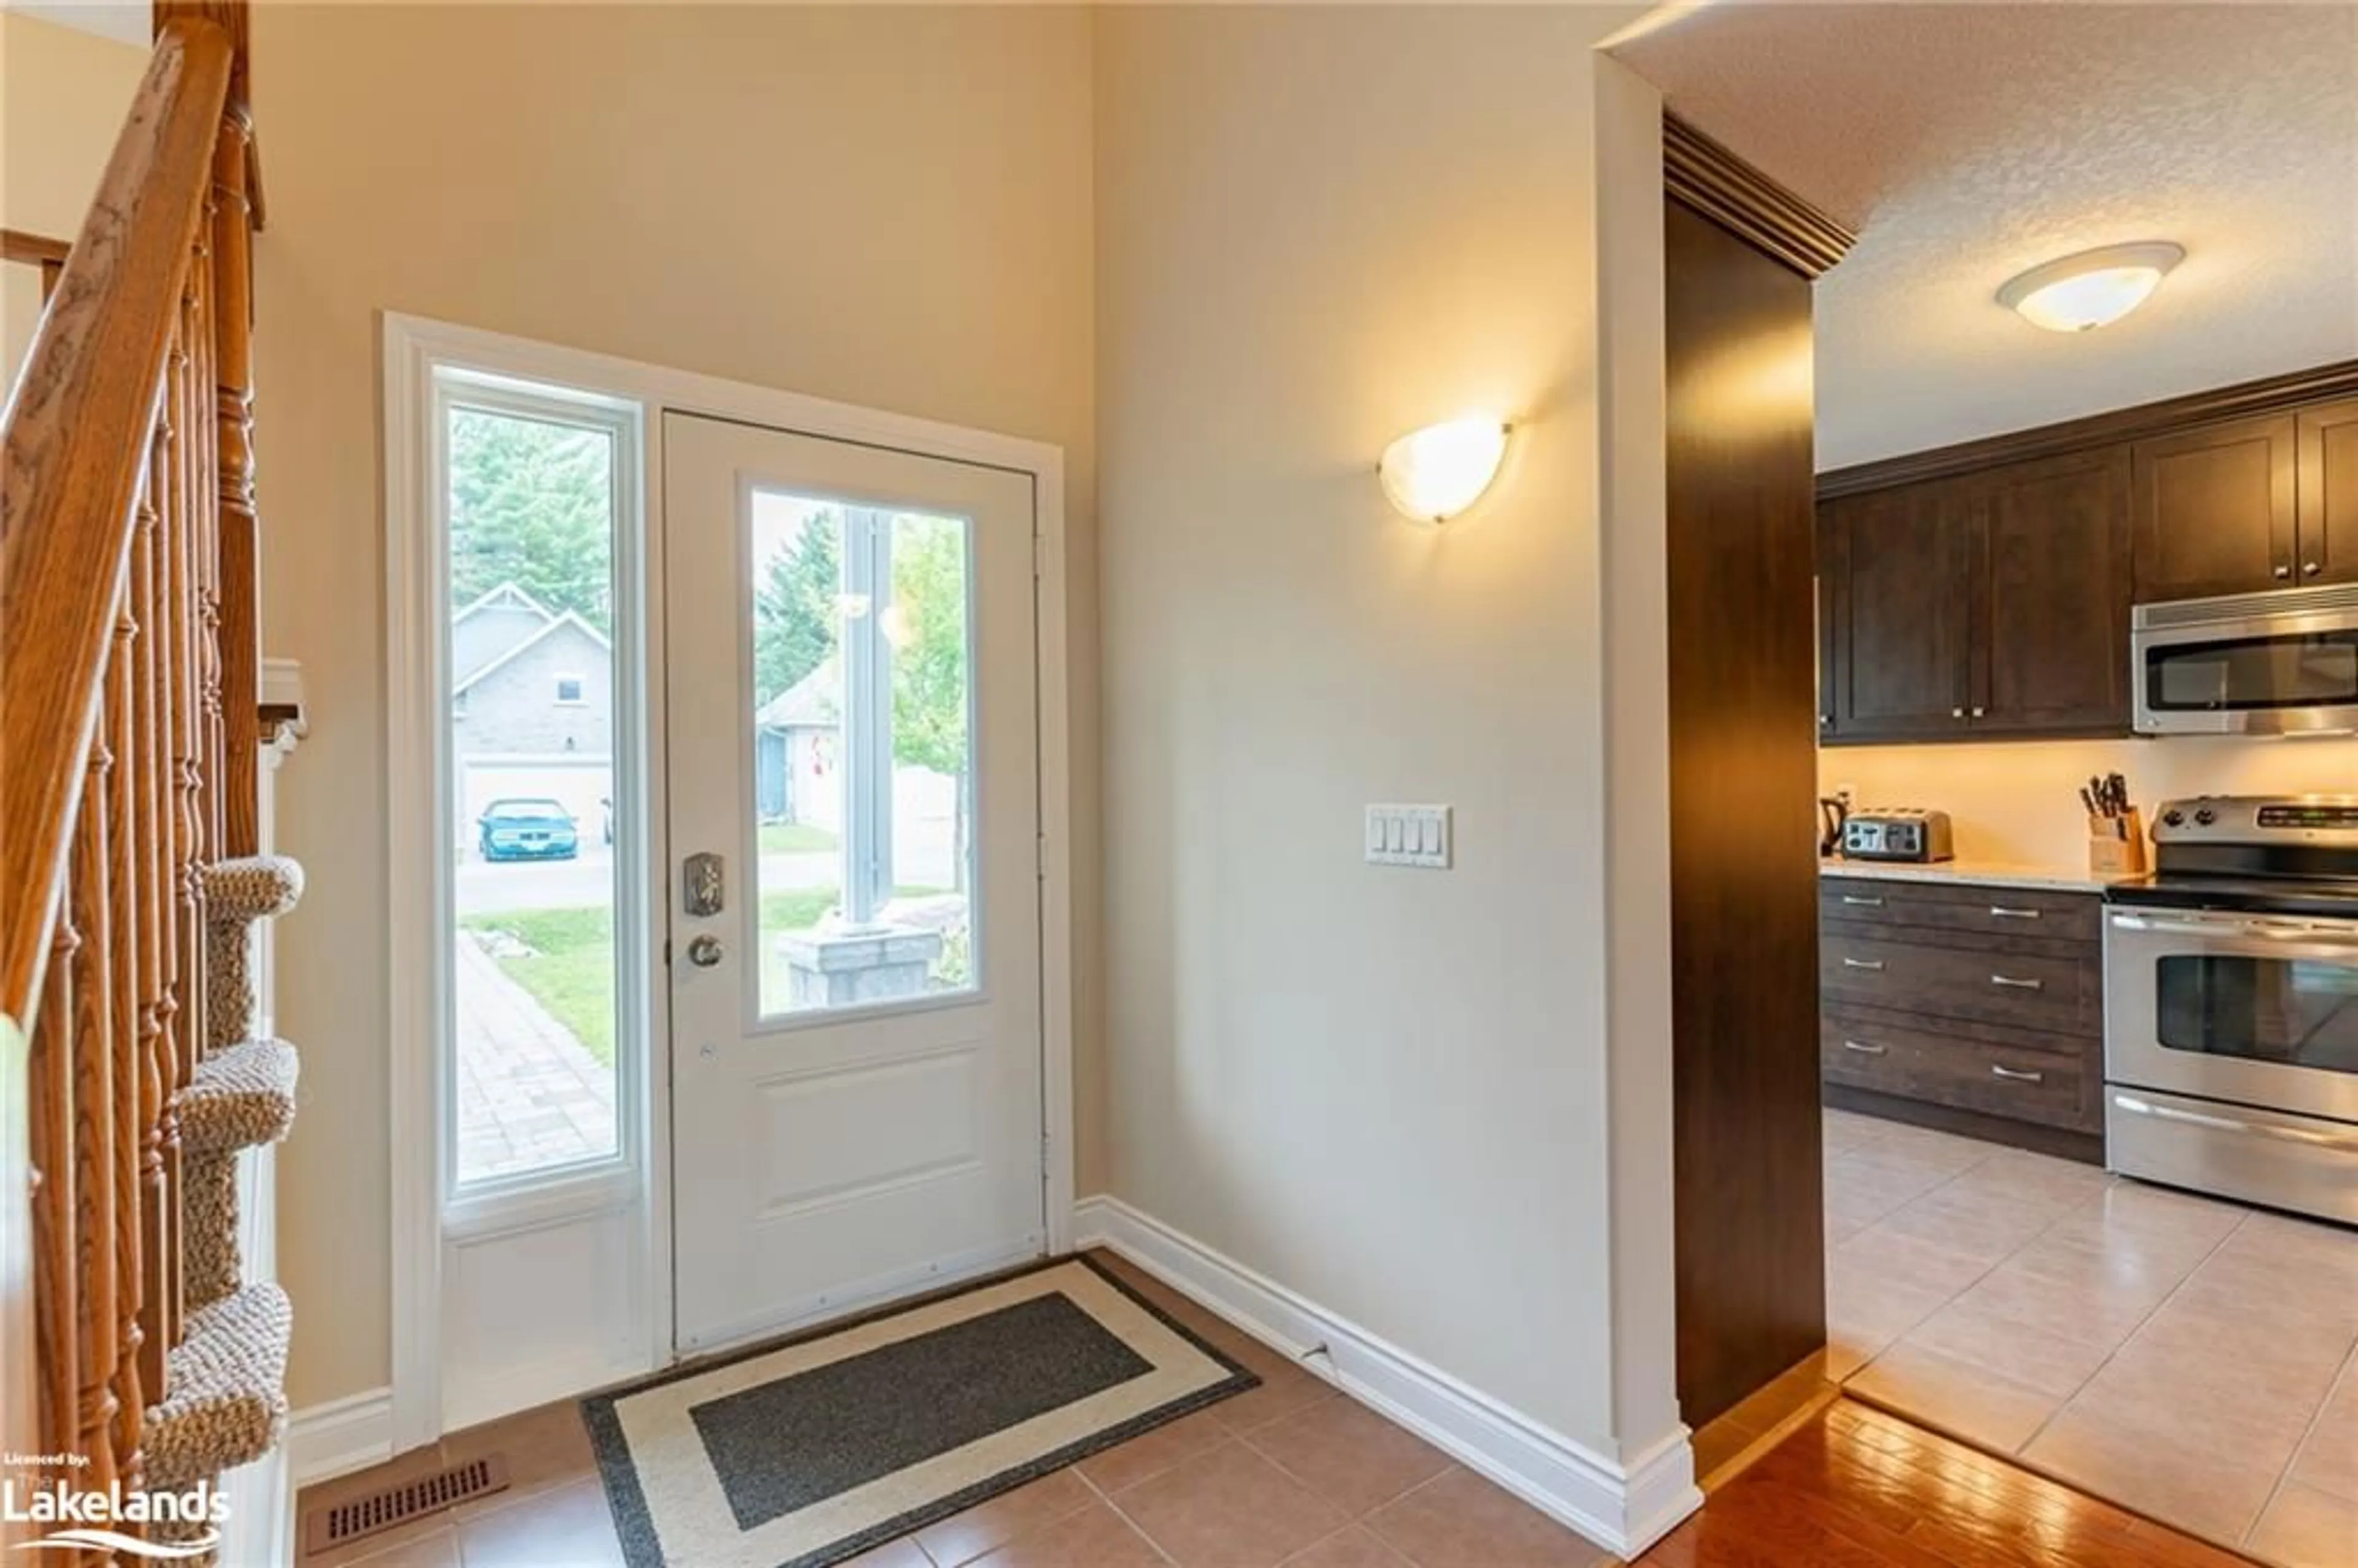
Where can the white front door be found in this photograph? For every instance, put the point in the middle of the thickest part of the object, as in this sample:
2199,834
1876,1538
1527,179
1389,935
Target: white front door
855,915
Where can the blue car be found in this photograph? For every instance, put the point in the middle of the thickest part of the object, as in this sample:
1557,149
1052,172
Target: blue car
528,829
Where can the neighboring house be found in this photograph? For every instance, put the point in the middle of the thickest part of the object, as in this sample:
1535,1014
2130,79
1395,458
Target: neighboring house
795,753
532,707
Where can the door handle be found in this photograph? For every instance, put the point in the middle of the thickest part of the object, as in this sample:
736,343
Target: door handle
2016,1074
1864,1049
1873,965
704,951
1853,900
703,885
2000,912
2231,1124
2010,982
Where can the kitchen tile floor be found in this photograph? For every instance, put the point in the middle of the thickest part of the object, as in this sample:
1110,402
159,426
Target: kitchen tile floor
2191,1359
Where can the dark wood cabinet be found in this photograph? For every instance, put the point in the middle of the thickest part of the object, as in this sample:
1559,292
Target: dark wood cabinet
1902,612
2327,438
2051,614
2216,509
1959,1005
1986,605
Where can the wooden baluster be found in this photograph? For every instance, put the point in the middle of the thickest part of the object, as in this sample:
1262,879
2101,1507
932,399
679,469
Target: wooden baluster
93,1103
152,902
55,1308
182,701
133,1021
204,514
160,1313
240,543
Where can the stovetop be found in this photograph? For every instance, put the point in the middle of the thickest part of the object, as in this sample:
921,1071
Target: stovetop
2317,898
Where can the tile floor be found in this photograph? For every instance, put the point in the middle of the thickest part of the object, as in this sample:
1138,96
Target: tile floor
2191,1359
1289,1473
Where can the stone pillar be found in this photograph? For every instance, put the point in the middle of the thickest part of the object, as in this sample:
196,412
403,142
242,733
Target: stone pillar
846,967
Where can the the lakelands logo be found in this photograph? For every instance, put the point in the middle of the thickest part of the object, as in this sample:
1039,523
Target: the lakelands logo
75,1519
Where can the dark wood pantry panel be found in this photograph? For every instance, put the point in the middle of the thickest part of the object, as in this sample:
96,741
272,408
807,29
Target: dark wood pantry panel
1749,1220
2052,614
2328,441
2215,509
1903,611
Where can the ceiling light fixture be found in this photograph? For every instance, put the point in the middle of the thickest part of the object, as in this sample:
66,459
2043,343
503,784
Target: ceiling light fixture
1435,473
2075,294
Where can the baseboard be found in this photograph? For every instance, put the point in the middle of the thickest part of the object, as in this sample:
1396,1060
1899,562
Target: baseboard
1624,1509
339,1436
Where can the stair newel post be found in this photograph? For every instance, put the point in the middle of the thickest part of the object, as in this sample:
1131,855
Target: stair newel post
153,896
92,1024
118,730
239,781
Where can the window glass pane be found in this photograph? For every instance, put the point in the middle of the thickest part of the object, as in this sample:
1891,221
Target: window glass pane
2300,1012
531,743
862,755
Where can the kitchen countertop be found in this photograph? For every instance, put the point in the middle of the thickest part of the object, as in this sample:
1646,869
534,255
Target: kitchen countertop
1978,873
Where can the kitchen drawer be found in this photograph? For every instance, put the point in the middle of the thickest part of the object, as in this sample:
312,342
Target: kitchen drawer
1962,906
2061,992
2024,1076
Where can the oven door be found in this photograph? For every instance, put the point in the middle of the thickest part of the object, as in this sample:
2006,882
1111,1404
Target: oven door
2250,1008
2225,666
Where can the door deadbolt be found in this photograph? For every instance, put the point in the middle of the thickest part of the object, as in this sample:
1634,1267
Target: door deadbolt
704,952
702,885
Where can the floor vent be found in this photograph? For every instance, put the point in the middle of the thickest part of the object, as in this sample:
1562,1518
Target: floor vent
334,1524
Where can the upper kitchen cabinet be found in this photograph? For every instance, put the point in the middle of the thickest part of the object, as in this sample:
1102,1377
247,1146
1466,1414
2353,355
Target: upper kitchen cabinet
1896,564
2216,510
2328,536
1985,605
2051,619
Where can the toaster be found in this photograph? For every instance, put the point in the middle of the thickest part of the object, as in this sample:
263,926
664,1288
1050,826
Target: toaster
1897,833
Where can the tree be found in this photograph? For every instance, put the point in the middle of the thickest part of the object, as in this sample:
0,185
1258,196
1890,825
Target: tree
929,656
532,504
795,615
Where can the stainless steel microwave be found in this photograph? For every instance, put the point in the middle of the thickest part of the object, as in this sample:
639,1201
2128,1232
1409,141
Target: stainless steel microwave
2250,664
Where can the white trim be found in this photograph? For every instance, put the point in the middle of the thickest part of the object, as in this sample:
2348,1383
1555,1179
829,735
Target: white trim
324,1441
1623,1507
413,347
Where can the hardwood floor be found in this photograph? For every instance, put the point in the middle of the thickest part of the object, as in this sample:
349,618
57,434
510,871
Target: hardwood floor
1857,1489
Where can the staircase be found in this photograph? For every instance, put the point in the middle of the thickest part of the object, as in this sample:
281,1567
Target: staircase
131,1071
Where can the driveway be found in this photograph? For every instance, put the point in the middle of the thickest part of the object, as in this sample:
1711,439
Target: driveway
487,887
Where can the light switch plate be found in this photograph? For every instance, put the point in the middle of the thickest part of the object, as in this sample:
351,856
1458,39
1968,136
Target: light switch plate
1409,835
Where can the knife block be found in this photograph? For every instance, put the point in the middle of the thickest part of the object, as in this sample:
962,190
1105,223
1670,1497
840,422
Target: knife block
2116,845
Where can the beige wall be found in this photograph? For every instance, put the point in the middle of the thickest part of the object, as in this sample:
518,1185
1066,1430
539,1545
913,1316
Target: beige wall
2019,803
63,97
1387,1089
890,207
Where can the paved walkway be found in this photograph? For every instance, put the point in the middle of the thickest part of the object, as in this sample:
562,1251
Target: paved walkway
528,1093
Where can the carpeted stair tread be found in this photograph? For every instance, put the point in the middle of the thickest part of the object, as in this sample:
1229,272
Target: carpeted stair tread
254,887
227,1382
240,1097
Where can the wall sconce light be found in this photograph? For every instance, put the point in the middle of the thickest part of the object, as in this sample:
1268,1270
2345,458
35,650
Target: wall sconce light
1435,473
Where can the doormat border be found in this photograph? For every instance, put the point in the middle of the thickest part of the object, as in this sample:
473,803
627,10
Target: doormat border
627,1501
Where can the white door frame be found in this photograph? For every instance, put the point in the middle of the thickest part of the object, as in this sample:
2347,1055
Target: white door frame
413,347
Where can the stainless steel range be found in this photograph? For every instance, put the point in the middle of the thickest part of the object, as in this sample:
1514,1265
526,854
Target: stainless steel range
2231,1004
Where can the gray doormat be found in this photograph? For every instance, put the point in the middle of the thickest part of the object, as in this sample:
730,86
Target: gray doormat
807,1452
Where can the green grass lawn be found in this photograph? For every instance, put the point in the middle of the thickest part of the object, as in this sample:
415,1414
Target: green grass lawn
797,838
570,970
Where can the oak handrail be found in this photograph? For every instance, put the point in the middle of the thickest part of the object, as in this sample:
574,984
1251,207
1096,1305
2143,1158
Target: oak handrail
72,458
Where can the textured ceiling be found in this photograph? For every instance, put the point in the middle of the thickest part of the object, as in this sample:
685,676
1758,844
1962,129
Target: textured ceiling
126,21
1967,143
